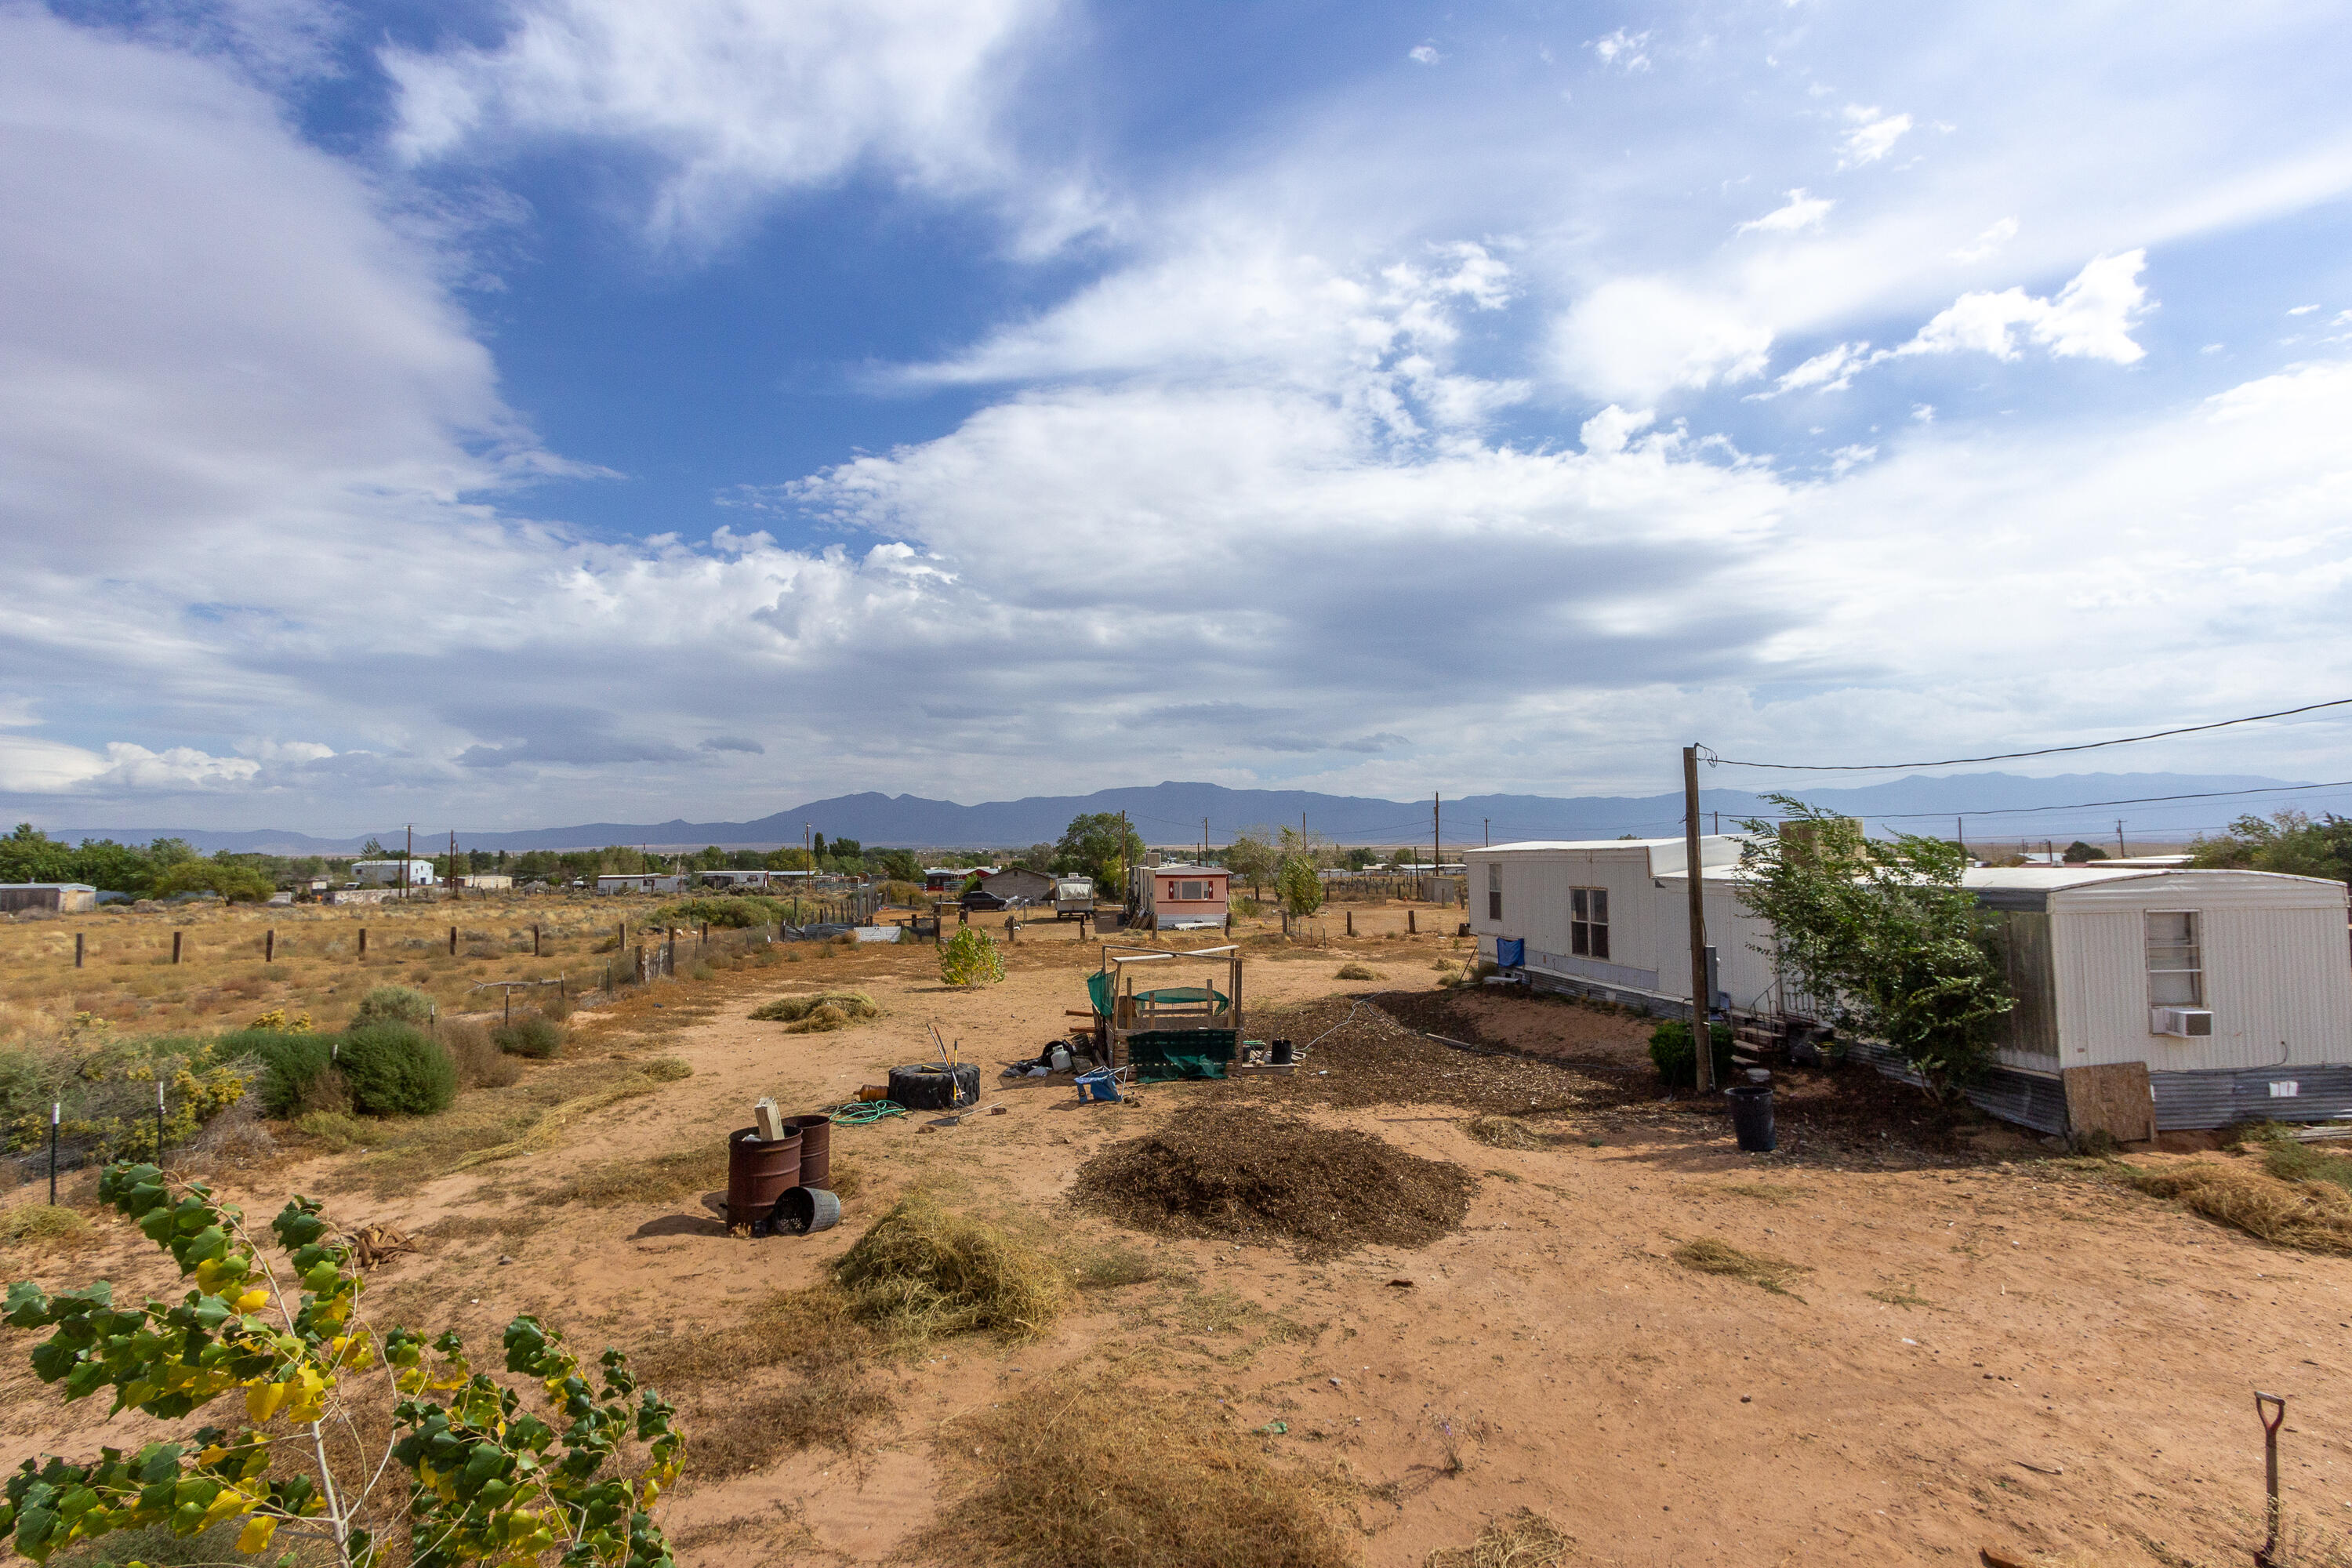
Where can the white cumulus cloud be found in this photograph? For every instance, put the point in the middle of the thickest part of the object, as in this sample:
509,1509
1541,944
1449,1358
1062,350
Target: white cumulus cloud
1872,136
1799,212
2090,318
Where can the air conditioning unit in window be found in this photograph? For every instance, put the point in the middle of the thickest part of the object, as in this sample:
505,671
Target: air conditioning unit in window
2187,1023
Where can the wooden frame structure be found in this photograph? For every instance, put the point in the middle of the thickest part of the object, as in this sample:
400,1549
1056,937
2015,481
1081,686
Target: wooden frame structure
1156,1013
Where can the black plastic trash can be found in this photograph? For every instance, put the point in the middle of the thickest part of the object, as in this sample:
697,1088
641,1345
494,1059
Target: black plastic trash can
1751,1118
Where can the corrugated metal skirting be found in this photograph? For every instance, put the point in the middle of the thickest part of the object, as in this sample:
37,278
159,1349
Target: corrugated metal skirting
2187,1101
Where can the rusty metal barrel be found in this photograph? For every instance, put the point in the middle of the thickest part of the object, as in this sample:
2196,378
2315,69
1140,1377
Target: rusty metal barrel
759,1172
816,1149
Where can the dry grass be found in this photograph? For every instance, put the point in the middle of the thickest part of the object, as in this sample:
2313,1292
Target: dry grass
923,1272
1522,1540
1508,1133
1113,1264
1709,1255
826,1355
2311,1216
479,1062
1189,1492
43,1225
1355,972
1762,1192
660,1179
818,1013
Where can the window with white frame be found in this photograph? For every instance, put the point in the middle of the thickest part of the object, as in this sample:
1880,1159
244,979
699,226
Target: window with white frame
2175,959
1192,892
1493,889
1588,922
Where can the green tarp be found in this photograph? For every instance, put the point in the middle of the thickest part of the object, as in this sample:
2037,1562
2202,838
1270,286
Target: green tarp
1160,1054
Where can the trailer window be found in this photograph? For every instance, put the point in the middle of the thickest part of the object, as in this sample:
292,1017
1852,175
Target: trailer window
1192,890
2176,961
1588,922
1493,889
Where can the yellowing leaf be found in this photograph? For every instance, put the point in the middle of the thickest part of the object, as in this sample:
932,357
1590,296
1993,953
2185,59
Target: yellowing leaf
253,1300
254,1536
263,1400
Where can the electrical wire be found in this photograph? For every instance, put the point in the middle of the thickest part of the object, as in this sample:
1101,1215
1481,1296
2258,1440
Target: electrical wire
1714,760
2087,805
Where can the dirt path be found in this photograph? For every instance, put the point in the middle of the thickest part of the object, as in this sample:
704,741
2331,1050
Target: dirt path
2020,1356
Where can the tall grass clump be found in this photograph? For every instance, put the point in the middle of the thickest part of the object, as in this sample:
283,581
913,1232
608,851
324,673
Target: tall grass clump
541,1039
480,1061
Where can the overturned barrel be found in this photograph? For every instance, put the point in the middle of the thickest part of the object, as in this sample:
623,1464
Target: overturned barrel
759,1172
816,1149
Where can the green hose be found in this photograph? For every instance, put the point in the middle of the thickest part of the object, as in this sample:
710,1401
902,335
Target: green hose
865,1112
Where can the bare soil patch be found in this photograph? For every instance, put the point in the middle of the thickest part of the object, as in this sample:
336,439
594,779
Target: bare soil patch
1240,1171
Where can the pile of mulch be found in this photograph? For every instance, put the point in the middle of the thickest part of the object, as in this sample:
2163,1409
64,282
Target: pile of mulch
1361,1056
1248,1175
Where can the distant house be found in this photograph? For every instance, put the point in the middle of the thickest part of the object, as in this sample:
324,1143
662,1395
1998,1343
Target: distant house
488,881
640,882
950,879
390,873
59,898
1018,884
1182,897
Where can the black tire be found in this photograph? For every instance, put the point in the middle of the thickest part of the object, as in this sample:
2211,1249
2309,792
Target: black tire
925,1087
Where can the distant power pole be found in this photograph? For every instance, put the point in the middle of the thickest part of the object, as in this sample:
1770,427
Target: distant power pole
2121,853
1436,837
1204,841
405,858
1960,831
1487,825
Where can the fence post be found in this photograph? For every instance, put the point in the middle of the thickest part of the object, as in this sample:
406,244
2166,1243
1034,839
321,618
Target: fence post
641,964
1351,921
535,940
57,1109
362,942
269,946
1411,926
76,950
453,941
175,946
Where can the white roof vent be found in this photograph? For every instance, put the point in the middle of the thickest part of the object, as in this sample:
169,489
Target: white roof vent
2183,1022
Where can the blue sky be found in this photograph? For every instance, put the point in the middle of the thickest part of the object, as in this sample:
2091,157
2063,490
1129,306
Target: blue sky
565,409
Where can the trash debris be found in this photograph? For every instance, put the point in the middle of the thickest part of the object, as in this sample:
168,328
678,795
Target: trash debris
769,1121
1274,1428
1402,1284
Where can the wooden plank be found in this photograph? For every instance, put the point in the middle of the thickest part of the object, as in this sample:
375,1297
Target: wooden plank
2115,1099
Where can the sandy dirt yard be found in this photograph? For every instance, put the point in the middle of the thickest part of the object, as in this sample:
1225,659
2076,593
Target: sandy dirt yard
1957,1339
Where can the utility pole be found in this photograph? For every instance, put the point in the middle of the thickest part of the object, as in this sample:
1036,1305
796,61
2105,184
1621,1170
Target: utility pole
1436,838
1126,872
1702,1029
1488,823
1204,841
411,854
2121,853
1961,830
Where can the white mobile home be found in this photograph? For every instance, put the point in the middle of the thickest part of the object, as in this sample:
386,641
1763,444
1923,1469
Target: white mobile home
640,882
1181,898
2220,996
396,873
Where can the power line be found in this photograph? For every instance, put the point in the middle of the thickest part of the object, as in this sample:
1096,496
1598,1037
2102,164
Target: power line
1715,760
2087,805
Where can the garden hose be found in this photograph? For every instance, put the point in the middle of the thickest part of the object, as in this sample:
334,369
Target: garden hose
865,1112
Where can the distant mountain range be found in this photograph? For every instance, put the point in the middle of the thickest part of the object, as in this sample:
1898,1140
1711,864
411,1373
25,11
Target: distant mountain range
1172,814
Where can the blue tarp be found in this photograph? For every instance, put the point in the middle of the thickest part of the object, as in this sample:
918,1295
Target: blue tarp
1510,953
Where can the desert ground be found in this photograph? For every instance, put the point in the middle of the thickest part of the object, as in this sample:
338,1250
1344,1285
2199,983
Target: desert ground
1905,1337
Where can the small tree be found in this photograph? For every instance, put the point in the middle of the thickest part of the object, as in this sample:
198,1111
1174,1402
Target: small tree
1099,846
484,1478
1297,886
1882,933
970,958
1251,858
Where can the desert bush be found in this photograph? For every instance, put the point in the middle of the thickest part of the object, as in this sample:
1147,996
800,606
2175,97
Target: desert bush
288,1062
340,1131
668,1069
479,1060
106,1082
1355,972
922,1271
735,911
394,1070
970,958
1677,1064
541,1039
394,1004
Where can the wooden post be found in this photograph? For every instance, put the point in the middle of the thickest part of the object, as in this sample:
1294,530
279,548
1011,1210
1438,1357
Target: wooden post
56,1110
1351,921
534,941
453,941
269,946
76,950
1702,1004
362,942
175,946
1411,923
509,990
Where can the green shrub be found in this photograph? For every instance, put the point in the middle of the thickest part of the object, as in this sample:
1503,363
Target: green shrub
394,1070
970,958
537,1038
288,1064
1670,1051
735,910
394,1004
